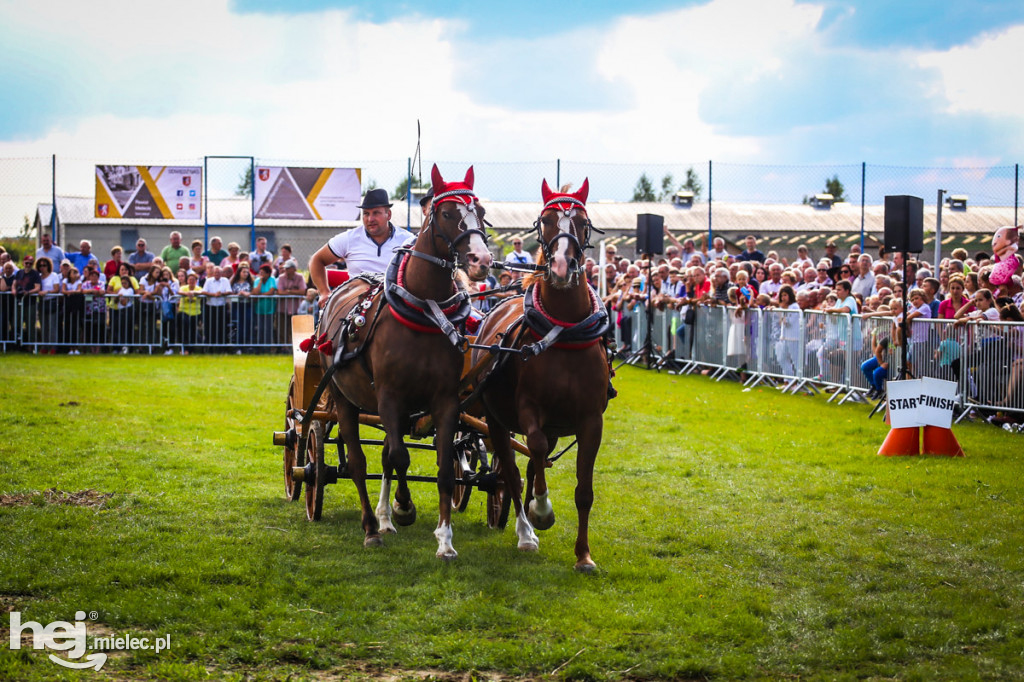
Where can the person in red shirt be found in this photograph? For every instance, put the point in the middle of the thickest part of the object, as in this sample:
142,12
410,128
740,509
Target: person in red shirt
113,266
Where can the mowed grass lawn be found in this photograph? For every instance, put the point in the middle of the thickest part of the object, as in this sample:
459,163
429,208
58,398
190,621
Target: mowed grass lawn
739,535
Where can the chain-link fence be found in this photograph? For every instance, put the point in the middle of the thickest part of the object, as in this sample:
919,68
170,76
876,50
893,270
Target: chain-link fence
720,193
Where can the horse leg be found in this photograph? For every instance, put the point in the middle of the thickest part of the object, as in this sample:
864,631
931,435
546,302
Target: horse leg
589,441
383,510
348,429
395,421
446,414
501,440
540,512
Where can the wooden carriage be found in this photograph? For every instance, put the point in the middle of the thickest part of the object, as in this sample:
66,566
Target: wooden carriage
474,467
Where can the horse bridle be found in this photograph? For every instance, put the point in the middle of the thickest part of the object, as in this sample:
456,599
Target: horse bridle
548,247
453,261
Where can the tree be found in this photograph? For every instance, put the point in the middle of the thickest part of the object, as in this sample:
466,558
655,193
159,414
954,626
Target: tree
835,188
369,184
26,229
244,188
667,188
693,183
403,187
644,190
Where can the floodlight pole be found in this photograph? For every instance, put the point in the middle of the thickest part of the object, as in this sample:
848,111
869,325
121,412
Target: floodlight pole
938,232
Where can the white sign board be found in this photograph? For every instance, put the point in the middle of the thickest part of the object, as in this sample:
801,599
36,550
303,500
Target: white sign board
921,402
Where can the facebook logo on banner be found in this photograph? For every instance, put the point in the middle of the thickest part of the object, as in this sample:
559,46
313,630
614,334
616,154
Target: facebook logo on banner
181,192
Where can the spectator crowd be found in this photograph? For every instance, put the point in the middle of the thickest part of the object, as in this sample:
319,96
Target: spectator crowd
184,298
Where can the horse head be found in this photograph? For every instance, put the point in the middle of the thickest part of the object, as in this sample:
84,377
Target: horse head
563,230
457,218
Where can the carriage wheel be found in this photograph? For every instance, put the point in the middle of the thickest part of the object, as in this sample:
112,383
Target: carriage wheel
461,493
292,488
315,489
498,502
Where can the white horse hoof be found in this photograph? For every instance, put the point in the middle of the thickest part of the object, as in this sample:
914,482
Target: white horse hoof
447,554
385,528
529,546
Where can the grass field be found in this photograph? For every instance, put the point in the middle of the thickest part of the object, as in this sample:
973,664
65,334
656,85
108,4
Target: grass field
739,535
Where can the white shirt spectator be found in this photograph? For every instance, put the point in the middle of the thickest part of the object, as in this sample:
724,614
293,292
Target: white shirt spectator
864,285
714,254
51,285
771,288
214,285
362,254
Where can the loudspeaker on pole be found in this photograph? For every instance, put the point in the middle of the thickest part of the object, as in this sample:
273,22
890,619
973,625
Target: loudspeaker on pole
904,224
650,233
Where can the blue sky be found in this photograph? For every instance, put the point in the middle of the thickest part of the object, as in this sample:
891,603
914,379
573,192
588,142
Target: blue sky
737,81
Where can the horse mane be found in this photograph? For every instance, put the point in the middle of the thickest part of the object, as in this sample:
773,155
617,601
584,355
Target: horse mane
564,189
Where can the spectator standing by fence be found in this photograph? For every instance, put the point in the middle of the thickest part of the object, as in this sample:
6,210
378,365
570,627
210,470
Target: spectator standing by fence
48,249
175,251
261,256
265,288
216,253
290,284
84,256
189,310
140,255
216,289
241,308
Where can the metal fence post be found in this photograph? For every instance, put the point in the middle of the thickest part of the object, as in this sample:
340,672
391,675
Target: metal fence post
710,235
863,191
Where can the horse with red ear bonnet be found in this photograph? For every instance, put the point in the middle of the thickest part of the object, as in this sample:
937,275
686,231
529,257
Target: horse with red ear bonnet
557,386
395,348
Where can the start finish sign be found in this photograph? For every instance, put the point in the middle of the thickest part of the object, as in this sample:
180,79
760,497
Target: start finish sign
921,402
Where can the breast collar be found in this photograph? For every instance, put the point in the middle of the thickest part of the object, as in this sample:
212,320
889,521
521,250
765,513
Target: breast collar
428,316
561,334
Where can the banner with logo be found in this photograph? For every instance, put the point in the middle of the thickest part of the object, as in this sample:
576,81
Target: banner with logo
294,193
149,192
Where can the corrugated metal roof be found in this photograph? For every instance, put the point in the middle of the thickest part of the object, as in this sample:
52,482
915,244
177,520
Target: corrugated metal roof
757,219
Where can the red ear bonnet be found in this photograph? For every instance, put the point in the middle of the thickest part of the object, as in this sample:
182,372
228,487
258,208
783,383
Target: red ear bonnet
461,192
564,201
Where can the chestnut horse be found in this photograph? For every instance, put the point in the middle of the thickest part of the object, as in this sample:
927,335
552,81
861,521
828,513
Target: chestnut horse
400,350
563,391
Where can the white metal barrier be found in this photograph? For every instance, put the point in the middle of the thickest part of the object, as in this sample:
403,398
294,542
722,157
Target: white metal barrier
812,350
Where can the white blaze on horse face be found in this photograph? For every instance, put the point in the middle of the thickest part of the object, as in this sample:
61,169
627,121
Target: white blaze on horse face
560,258
443,533
478,257
383,511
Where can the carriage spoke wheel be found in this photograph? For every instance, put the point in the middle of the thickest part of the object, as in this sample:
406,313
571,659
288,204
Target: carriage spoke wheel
461,493
315,488
292,488
498,502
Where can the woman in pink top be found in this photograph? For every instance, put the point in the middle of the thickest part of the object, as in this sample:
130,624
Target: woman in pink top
948,306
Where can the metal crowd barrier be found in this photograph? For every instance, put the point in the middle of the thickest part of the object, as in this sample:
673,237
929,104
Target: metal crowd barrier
84,323
809,350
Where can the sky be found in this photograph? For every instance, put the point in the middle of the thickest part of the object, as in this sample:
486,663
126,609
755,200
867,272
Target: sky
758,82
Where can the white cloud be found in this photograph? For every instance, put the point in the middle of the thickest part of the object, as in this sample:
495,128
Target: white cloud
981,76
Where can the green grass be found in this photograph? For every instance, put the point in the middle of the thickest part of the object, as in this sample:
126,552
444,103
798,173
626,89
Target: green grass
740,535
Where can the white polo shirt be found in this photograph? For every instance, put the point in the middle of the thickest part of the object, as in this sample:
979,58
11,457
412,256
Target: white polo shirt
217,286
362,254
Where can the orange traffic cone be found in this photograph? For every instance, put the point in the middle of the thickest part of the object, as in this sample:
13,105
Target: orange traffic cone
905,441
940,441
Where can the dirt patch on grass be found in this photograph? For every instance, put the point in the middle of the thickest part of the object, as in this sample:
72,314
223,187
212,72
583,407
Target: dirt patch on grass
81,498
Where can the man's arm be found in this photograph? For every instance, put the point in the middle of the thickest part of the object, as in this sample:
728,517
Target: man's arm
318,272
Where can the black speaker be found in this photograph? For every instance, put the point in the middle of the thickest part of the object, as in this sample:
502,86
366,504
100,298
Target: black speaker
904,224
650,233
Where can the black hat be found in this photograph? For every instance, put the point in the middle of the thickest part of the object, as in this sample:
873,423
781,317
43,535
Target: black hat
375,198
427,197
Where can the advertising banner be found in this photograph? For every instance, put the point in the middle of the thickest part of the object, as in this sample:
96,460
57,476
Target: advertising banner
294,193
149,192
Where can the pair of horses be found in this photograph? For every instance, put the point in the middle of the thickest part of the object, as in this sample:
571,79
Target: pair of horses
409,359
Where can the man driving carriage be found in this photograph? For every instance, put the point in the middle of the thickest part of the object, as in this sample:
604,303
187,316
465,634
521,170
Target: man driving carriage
368,250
